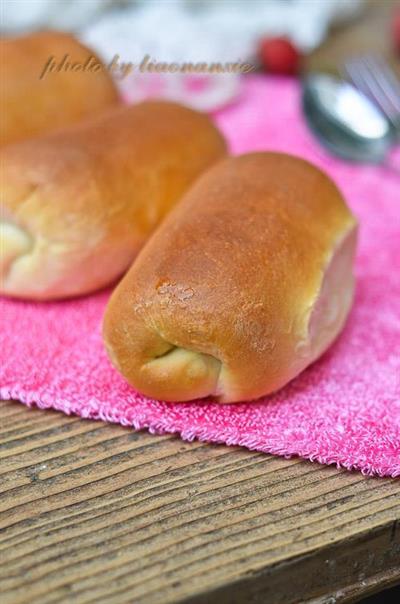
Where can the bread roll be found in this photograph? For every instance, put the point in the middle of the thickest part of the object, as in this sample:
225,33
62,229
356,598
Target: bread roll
78,204
34,100
246,283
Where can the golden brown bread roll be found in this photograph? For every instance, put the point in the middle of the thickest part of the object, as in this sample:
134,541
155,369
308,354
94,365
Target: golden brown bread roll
78,204
246,283
34,101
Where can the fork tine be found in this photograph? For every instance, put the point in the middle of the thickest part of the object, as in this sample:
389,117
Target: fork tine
379,91
375,89
387,79
355,69
375,79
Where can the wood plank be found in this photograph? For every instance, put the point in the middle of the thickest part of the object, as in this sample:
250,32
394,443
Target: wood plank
98,513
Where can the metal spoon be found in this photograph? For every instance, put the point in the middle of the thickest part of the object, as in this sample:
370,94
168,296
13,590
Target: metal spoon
346,121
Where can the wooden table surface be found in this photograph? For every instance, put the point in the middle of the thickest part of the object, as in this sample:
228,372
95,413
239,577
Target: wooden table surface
94,513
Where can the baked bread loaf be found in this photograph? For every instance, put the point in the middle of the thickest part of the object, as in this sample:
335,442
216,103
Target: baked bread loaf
34,100
78,204
246,283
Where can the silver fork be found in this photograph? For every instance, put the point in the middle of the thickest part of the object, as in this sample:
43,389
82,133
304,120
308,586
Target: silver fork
372,75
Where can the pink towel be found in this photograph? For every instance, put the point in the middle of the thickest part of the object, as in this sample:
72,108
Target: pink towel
344,410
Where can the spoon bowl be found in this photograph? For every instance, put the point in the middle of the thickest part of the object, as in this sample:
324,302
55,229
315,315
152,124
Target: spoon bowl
345,121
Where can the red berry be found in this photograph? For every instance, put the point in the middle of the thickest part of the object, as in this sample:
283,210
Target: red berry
396,30
279,55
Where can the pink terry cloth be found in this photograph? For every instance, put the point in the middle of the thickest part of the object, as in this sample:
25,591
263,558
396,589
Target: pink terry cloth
343,410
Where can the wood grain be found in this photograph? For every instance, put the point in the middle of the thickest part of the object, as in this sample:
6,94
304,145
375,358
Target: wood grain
91,512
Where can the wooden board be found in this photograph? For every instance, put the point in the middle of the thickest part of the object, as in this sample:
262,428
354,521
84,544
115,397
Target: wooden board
91,512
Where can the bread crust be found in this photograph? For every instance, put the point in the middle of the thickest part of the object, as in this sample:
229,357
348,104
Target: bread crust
236,273
86,198
31,105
